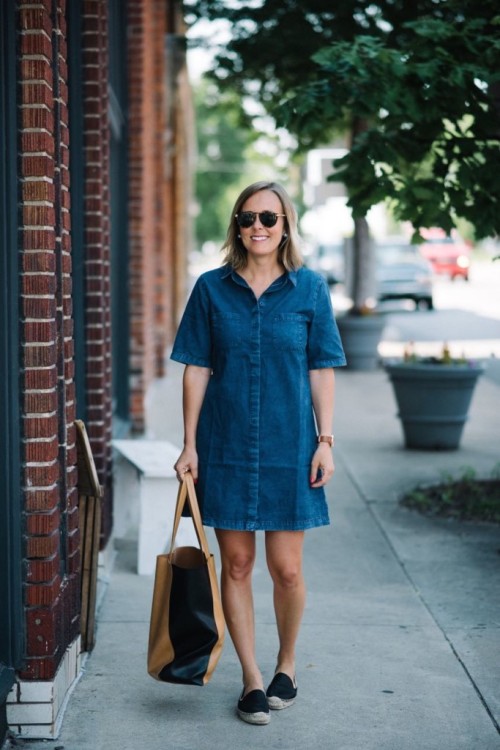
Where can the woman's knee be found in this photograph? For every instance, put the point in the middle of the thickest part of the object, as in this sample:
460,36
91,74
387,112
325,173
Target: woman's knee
238,565
287,575
237,553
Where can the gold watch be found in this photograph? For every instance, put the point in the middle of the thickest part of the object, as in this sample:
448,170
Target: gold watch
327,439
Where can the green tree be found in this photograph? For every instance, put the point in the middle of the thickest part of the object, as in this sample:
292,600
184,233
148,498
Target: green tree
416,85
222,141
231,154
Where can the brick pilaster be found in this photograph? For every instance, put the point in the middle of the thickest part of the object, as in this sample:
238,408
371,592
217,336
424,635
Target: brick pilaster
97,244
49,473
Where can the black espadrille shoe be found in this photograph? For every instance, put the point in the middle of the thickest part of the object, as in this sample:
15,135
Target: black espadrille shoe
282,692
253,707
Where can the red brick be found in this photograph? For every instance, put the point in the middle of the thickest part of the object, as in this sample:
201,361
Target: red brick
71,477
73,500
41,620
36,44
41,571
38,118
40,330
38,215
38,262
37,427
71,412
44,451
37,191
38,239
42,547
36,355
35,19
37,93
73,542
74,563
38,307
38,284
41,500
36,70
37,166
36,668
41,594
40,379
43,524
41,476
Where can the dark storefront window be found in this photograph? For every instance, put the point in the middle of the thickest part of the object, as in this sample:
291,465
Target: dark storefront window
10,486
76,155
119,211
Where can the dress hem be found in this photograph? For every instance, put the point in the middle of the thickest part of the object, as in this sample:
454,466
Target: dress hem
255,526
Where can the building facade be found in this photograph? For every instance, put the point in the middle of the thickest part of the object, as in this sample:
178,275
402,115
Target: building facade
95,126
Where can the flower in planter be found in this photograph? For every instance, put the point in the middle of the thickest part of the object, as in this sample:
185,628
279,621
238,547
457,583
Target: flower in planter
444,358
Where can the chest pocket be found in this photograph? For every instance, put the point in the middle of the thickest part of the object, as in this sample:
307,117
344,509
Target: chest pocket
226,330
290,331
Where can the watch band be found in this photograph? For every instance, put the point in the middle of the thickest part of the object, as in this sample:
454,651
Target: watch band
327,439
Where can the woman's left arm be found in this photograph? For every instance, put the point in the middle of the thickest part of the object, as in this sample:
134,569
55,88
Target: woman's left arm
322,390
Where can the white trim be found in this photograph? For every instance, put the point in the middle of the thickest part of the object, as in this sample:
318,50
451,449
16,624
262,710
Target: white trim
35,709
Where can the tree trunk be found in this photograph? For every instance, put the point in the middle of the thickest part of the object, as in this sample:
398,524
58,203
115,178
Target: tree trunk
363,271
363,290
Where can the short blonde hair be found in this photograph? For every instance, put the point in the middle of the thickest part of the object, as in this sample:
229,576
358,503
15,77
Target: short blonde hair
289,251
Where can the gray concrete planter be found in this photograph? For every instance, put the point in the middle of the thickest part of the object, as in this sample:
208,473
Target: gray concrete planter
361,336
433,401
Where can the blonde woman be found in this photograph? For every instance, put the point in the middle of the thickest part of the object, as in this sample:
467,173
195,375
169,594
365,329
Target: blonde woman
260,344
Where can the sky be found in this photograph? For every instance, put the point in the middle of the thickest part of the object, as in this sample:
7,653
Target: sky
199,59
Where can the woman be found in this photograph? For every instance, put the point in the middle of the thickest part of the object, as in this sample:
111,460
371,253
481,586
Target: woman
259,342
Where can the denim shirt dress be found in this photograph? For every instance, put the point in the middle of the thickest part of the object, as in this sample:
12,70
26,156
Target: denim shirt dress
256,432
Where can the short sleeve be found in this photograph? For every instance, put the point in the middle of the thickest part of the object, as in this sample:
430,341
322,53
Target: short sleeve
324,344
193,342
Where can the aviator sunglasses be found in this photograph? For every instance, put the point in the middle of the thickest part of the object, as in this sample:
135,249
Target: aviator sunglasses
247,218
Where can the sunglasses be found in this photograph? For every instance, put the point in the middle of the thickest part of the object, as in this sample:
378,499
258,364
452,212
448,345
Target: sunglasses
247,218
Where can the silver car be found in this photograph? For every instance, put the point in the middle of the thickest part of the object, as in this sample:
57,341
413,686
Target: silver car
402,273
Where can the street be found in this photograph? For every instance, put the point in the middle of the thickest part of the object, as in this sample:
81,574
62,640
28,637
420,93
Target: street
466,317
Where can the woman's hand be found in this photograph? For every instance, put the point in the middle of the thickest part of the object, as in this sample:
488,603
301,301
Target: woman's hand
187,461
322,461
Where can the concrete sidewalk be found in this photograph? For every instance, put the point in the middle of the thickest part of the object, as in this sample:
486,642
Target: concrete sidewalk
400,644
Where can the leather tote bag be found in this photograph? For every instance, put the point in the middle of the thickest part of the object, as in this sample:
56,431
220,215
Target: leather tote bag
186,631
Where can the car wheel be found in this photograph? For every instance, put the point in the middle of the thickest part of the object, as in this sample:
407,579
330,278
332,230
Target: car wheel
425,303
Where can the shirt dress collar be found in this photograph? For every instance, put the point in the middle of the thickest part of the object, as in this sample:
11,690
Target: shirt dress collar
228,270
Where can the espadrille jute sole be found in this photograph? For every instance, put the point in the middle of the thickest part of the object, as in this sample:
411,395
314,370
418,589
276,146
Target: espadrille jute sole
253,708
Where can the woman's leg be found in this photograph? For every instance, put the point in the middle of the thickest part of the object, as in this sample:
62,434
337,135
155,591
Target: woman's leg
237,550
284,560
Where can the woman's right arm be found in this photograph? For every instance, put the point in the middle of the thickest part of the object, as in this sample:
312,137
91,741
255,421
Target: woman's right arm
195,384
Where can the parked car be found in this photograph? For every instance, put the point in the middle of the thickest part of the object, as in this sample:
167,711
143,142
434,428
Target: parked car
447,254
402,273
328,260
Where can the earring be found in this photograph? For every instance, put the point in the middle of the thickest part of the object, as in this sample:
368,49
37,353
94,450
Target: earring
285,236
239,236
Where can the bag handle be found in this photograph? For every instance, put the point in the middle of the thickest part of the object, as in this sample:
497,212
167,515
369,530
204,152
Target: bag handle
187,493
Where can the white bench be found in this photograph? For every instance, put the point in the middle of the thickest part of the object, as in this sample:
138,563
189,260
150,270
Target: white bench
145,492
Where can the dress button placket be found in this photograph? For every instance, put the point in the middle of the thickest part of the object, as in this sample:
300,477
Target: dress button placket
254,415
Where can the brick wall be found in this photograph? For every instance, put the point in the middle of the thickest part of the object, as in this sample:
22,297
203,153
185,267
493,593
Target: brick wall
51,550
158,146
97,246
143,158
157,156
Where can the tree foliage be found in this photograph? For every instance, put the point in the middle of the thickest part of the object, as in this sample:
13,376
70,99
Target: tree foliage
231,154
418,83
222,142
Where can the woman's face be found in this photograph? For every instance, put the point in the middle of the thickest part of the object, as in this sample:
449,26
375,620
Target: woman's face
259,240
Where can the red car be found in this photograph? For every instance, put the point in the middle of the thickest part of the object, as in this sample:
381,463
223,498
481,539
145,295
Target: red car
447,254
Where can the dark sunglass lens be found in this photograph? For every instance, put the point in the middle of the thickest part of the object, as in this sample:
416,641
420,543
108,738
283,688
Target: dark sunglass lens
246,219
268,218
